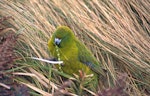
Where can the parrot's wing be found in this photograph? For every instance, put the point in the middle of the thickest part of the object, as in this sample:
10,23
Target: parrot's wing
86,57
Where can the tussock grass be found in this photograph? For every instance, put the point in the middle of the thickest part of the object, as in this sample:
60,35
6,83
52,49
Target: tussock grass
117,32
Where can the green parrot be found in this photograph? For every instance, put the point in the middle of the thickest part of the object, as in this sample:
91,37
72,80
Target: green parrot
64,46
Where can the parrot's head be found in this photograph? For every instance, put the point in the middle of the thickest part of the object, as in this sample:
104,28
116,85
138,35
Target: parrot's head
62,36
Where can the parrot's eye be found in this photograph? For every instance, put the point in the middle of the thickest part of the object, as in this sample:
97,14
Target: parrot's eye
57,41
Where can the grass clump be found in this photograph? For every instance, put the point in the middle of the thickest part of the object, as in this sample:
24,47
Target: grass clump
117,32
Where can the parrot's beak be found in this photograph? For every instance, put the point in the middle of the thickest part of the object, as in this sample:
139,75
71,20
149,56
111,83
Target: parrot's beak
57,41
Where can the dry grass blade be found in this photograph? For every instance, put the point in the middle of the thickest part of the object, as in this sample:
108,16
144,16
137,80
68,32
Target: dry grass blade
37,89
4,85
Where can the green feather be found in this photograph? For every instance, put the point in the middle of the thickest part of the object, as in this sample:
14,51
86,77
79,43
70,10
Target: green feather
86,57
74,54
